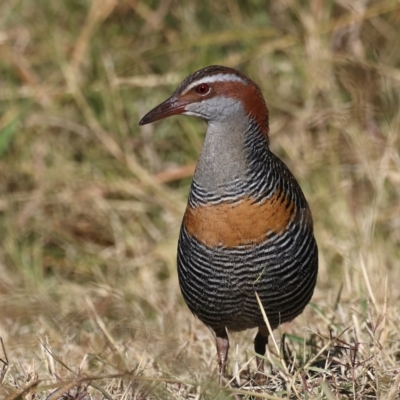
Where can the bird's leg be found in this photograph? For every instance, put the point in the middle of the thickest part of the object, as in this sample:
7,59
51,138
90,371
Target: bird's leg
260,343
222,342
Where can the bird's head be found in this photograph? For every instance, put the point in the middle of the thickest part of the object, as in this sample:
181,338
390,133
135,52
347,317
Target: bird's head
216,94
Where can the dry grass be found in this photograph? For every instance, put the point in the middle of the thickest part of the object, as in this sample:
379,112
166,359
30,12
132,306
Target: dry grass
90,306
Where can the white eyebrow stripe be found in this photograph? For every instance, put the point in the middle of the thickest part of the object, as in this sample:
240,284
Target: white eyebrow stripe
216,78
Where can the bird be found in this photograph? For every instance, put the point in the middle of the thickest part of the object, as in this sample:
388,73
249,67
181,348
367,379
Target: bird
247,230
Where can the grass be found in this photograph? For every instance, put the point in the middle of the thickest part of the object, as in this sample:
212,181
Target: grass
91,204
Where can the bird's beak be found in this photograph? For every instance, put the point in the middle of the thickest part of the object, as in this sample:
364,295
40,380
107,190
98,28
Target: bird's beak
171,106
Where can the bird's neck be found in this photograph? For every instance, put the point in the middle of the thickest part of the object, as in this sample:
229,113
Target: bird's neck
232,152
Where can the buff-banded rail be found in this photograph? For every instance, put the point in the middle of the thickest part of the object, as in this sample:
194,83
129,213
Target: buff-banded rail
247,227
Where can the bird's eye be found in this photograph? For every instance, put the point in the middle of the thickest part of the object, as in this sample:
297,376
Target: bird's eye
203,89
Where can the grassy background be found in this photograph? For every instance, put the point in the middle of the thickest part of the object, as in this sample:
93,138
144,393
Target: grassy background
91,204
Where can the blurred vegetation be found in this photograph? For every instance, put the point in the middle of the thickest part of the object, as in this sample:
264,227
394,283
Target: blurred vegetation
91,204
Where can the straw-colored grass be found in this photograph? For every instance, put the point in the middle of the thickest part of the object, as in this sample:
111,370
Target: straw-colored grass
91,204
